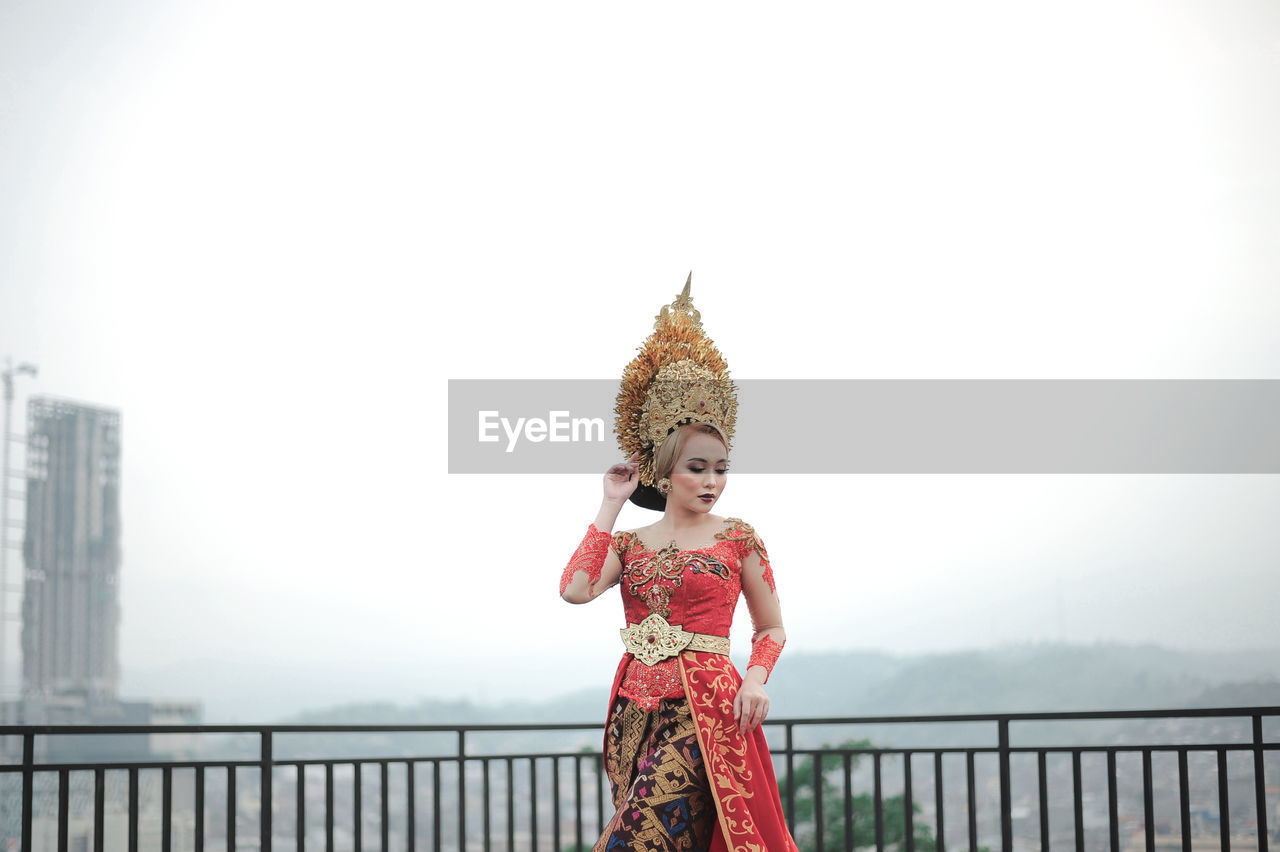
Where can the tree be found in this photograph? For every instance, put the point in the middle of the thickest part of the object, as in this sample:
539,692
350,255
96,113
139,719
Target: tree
892,808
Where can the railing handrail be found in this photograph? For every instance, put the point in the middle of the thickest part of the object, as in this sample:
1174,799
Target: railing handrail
1194,712
842,757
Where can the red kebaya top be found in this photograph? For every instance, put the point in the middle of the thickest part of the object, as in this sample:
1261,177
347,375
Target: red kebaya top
696,590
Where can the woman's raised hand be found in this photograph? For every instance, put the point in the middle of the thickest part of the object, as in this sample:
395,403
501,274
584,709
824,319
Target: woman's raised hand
621,479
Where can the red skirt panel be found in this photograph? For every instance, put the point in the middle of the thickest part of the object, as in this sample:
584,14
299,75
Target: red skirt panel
739,768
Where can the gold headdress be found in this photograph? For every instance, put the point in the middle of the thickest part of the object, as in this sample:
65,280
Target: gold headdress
678,377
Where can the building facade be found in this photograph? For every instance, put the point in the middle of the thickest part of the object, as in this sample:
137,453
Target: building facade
71,608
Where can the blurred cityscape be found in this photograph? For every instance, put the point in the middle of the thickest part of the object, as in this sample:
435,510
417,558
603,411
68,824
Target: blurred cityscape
1068,783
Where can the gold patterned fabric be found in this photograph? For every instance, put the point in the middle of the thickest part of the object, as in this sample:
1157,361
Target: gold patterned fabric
738,765
658,779
655,639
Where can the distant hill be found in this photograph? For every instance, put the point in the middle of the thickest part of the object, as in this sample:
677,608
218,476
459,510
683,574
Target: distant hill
1258,693
1018,678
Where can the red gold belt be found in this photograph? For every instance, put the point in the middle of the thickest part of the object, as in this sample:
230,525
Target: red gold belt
654,639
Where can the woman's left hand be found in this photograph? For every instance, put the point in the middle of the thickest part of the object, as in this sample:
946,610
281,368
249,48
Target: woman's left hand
751,705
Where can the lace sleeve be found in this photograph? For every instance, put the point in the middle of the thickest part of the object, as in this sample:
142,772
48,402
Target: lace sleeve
762,602
589,557
758,546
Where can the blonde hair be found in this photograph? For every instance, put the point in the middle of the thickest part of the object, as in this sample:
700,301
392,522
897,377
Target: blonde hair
664,461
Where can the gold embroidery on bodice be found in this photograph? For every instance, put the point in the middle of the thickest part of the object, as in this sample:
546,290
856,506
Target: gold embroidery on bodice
658,599
669,563
661,565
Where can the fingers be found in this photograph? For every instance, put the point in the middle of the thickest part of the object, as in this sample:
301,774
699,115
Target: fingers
628,467
751,713
748,710
761,712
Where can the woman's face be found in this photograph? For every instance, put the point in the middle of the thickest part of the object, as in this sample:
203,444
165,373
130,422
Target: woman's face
699,476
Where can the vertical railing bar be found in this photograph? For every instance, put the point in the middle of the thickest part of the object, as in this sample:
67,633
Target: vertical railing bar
357,797
231,808
937,799
199,805
64,808
462,790
99,808
908,803
791,779
533,804
28,784
555,804
385,805
1260,784
577,799
300,819
1184,800
1224,801
599,764
133,809
1113,809
1042,768
848,802
166,809
357,805
328,806
484,776
817,799
435,805
511,804
1148,806
973,801
265,797
878,800
1077,796
1006,796
411,810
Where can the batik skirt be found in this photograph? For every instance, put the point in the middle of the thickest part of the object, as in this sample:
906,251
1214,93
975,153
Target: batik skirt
659,781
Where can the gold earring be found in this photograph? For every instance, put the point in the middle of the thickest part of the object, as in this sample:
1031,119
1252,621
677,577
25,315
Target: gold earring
664,485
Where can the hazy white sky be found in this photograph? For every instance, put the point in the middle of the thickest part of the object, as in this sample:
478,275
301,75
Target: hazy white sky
270,232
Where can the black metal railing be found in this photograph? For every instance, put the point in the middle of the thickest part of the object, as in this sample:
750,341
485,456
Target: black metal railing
1084,780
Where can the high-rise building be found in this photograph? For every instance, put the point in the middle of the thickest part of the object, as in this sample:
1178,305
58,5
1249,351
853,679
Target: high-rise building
71,604
71,609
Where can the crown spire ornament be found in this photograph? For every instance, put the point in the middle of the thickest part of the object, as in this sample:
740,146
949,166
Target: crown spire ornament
678,377
683,302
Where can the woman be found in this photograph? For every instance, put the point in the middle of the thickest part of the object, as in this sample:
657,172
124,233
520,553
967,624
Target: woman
687,761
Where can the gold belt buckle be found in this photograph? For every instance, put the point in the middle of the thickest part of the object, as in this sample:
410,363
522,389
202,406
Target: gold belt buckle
654,639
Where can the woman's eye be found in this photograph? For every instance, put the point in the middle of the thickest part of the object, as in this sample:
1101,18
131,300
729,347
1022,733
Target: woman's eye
695,469
723,471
